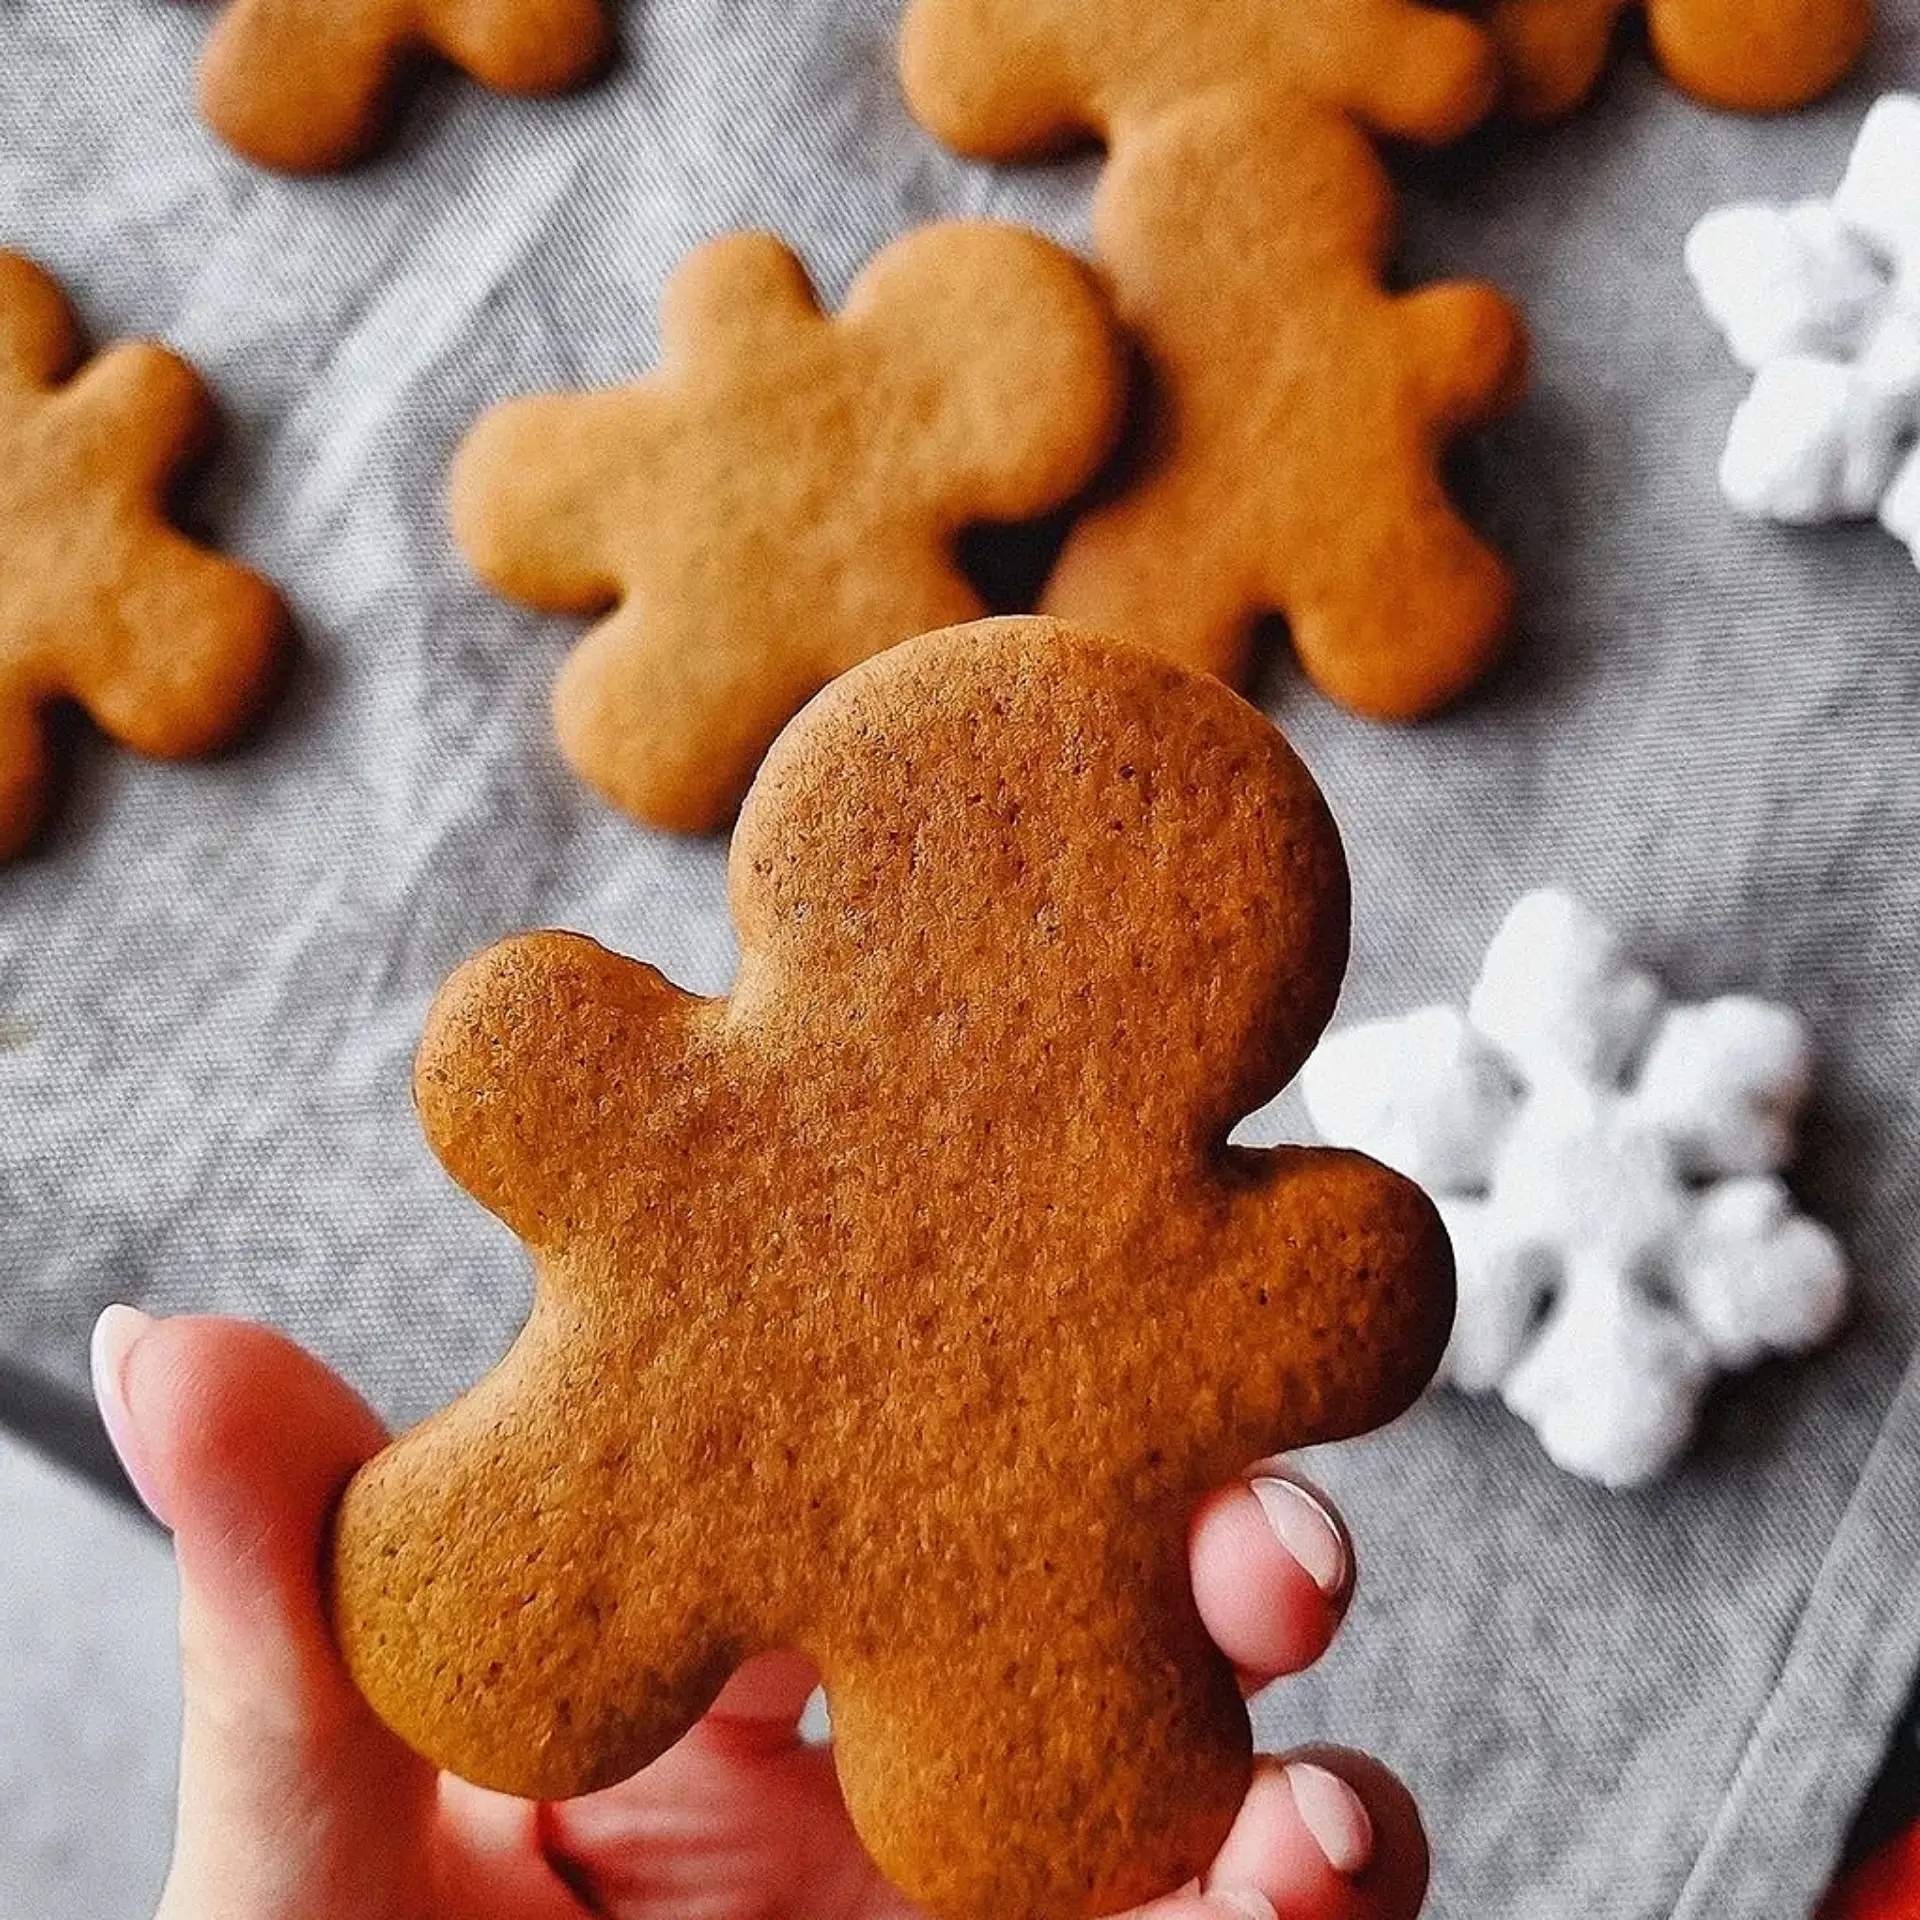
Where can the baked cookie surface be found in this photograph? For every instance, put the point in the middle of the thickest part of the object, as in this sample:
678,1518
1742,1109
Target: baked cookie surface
901,1307
305,86
1753,56
170,649
1288,452
780,498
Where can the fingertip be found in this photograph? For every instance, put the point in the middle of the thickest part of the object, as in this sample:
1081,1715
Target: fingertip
235,1436
1273,1572
286,1779
1328,1832
115,1334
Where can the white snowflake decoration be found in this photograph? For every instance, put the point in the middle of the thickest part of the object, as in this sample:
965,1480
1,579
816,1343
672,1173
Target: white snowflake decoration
1822,301
1607,1167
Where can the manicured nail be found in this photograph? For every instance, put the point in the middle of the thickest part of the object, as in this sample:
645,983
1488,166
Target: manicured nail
1305,1526
1334,1814
115,1335
1243,1903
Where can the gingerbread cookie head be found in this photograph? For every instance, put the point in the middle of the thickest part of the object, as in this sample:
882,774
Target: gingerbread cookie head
309,85
1013,79
1753,56
168,648
780,499
901,1307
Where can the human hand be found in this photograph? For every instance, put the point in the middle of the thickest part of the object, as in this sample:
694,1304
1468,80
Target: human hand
297,1804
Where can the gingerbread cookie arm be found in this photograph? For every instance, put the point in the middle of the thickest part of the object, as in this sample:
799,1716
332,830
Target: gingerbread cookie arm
483,1627
39,337
522,46
521,1051
1469,346
995,351
542,489
736,297
995,79
303,85
1332,1285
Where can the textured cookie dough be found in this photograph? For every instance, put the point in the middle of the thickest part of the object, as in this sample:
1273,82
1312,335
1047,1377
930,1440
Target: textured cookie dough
781,497
309,85
901,1307
170,649
1753,56
1288,459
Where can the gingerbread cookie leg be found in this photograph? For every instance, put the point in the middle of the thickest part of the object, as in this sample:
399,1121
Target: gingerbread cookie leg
177,648
524,46
1758,56
181,624
25,774
668,725
954,1812
1164,565
303,85
1751,56
1552,51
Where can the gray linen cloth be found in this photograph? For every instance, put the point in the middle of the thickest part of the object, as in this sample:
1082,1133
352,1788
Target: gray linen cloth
213,976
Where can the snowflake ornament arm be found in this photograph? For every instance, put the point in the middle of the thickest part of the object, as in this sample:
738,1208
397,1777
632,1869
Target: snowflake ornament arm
1821,301
1605,1166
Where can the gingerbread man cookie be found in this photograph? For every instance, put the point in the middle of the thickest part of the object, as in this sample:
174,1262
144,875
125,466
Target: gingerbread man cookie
780,498
1754,56
1289,460
169,648
900,1308
308,85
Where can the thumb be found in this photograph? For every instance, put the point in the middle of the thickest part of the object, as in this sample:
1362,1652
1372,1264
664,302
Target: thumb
294,1802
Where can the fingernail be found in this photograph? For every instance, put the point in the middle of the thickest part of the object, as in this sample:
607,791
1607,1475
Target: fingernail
115,1335
1307,1530
1334,1814
1243,1903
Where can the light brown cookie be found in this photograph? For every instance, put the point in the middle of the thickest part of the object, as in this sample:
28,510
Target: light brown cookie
309,85
780,499
901,1307
1755,56
169,648
1289,459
